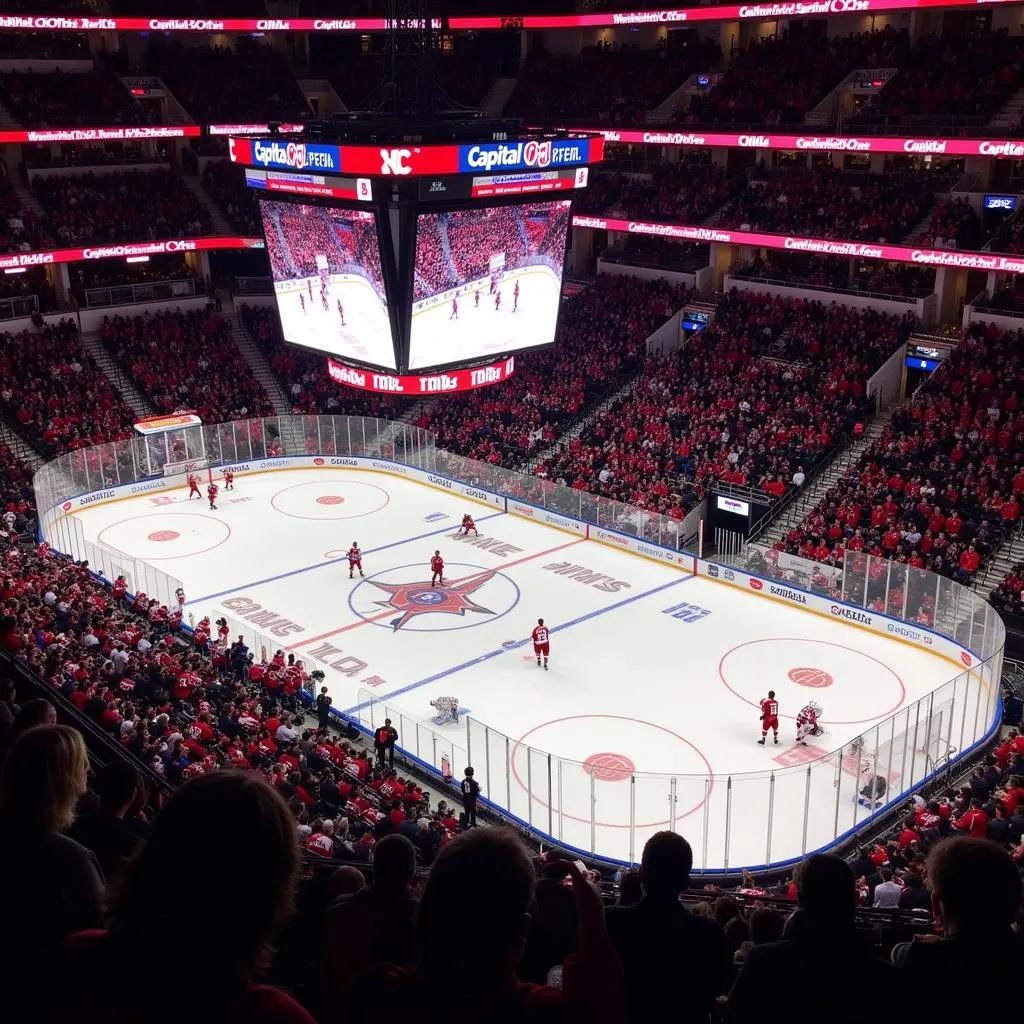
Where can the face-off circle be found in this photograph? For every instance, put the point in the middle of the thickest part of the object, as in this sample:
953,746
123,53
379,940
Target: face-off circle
861,689
816,678
330,500
174,535
402,598
653,750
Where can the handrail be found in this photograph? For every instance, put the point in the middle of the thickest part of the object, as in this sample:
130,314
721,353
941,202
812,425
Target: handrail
918,604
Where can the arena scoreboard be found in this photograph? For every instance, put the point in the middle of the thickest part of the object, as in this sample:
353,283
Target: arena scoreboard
418,268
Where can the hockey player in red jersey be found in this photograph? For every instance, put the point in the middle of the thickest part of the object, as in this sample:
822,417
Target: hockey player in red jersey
807,722
436,569
467,525
229,479
541,642
193,487
211,493
497,301
769,717
355,559
454,315
515,297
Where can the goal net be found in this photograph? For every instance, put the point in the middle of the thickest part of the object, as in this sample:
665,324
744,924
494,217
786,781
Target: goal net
906,757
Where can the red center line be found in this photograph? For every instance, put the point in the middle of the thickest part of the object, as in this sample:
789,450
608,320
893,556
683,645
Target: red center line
391,611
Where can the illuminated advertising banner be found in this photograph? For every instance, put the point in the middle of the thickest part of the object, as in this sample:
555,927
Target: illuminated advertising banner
816,246
671,16
422,384
359,189
125,250
250,129
375,161
815,143
118,133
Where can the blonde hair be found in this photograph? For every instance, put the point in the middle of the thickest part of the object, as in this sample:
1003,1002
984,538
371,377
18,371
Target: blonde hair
43,776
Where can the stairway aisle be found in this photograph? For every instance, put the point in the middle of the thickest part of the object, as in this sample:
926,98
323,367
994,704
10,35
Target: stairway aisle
258,364
217,218
817,487
122,383
19,447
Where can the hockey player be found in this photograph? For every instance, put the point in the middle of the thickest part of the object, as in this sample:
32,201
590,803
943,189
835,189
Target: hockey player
341,313
436,569
497,301
309,287
179,596
807,722
323,297
193,487
229,479
211,493
447,709
769,717
355,559
302,302
541,642
476,299
454,315
467,525
515,297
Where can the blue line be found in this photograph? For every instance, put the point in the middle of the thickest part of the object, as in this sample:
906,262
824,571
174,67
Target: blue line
334,561
515,646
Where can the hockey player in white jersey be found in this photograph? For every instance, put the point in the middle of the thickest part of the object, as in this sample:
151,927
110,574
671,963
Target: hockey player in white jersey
807,722
447,709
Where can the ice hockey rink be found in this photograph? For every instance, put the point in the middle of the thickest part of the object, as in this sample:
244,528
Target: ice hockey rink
438,339
653,671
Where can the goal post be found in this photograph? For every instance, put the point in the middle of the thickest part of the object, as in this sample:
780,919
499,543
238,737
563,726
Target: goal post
172,444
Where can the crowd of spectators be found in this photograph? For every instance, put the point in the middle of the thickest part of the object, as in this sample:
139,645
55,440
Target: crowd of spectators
954,76
225,183
61,99
778,79
303,374
296,235
827,203
16,495
954,225
940,488
554,87
20,228
56,395
687,192
186,361
120,206
600,344
215,83
756,399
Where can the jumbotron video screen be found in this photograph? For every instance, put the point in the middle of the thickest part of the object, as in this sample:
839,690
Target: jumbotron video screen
486,281
326,266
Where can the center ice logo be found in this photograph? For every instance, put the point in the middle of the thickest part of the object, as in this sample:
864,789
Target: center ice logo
485,593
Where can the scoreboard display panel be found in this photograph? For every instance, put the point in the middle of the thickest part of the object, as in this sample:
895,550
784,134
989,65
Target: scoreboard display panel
328,281
499,290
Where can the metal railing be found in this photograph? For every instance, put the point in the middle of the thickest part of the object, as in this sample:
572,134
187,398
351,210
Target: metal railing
22,305
151,291
752,819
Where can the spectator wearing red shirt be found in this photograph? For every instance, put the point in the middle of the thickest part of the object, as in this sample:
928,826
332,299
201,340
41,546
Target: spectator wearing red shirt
974,822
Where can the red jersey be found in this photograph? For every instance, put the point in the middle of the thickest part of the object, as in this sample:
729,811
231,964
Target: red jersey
193,482
467,522
229,477
540,635
769,708
355,555
212,491
437,564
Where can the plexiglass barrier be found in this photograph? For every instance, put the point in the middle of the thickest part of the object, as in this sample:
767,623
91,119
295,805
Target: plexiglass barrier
733,821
